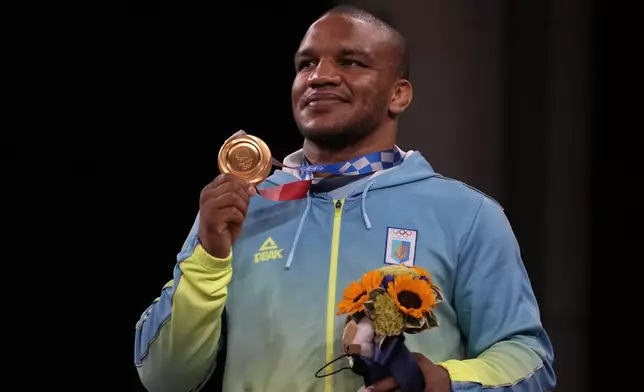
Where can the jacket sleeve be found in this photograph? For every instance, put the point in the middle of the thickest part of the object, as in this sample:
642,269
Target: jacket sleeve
508,349
177,337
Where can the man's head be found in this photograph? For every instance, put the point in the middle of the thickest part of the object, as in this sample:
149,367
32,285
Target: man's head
352,70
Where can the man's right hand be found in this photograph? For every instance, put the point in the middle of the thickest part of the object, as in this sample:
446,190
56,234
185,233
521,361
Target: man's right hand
222,209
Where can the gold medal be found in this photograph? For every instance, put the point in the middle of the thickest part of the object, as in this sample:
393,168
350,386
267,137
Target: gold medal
246,157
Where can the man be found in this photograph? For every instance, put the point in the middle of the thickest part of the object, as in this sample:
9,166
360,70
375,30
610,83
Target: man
277,270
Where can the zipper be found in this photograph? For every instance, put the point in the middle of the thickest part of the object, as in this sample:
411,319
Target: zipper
333,278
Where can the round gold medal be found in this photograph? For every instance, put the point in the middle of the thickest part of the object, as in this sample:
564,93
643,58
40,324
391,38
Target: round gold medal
246,157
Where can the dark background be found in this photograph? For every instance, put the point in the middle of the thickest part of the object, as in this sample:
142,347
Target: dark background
177,79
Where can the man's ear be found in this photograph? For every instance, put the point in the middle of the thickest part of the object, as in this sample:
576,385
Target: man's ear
401,97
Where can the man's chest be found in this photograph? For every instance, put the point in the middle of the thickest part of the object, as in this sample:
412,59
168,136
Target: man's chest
307,250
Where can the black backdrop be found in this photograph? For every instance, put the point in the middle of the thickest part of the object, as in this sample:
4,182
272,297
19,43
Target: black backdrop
177,80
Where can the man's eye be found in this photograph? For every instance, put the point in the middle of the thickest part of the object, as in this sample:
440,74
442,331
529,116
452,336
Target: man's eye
350,63
306,64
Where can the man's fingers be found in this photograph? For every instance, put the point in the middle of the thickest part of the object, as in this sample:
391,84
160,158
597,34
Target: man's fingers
230,186
220,193
228,178
387,384
420,358
218,210
229,200
231,215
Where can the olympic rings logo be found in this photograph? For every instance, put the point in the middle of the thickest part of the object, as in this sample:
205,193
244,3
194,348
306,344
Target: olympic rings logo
402,232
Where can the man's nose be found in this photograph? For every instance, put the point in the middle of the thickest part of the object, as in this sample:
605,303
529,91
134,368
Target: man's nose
326,73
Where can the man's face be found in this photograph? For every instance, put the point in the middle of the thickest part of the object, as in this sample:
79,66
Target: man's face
345,75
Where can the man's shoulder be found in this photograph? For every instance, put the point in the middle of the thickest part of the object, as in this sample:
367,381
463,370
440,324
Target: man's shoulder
458,191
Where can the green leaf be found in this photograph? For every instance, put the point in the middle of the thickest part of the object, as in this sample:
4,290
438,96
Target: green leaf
416,327
369,309
438,293
376,292
431,320
413,322
413,331
357,316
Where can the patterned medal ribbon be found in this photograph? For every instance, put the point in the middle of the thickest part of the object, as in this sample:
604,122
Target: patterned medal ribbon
249,158
366,164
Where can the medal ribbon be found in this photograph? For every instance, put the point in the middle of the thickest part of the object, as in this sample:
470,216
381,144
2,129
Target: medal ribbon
366,164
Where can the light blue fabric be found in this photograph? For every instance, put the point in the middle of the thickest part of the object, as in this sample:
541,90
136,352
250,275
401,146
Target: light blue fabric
277,304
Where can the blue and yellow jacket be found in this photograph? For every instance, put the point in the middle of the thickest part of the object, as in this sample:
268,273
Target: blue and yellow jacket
287,271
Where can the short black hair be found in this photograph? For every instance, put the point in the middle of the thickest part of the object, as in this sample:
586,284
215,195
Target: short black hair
400,43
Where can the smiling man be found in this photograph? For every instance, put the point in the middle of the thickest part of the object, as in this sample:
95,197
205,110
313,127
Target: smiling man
254,293
351,85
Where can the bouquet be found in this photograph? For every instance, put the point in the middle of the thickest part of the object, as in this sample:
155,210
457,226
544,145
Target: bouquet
382,306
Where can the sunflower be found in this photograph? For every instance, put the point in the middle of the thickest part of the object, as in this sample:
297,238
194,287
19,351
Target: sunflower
411,295
357,293
371,280
423,274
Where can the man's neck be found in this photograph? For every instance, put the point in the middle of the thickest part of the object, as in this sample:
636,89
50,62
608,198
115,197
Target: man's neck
320,156
316,155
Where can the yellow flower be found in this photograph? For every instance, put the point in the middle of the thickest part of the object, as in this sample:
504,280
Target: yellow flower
421,272
371,280
357,293
412,296
387,319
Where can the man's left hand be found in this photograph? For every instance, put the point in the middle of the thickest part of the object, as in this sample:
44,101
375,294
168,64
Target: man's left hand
436,378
